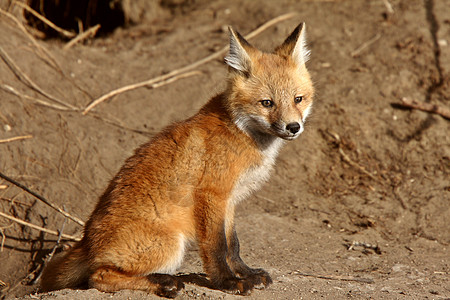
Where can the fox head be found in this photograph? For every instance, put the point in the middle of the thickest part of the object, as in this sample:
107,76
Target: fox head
270,93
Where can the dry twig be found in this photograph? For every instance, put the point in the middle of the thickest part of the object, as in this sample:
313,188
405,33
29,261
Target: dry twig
188,67
265,198
173,79
64,213
49,231
26,80
49,256
42,52
3,236
334,277
388,5
58,241
14,202
3,239
360,49
121,125
16,138
13,91
152,83
60,30
41,49
399,197
346,158
428,107
91,32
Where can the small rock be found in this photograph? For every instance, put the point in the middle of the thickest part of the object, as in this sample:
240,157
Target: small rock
442,43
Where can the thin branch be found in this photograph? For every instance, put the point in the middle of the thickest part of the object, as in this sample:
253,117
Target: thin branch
49,256
265,198
388,5
173,79
152,83
58,240
25,79
188,67
120,125
360,49
428,107
75,219
334,277
49,231
267,25
16,138
60,30
346,158
13,91
3,239
13,201
43,50
91,32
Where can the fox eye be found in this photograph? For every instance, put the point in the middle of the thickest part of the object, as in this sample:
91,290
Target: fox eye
266,103
298,99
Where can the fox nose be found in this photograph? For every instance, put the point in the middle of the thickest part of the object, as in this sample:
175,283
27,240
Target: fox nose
293,127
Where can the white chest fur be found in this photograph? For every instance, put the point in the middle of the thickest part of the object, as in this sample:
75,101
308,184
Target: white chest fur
252,179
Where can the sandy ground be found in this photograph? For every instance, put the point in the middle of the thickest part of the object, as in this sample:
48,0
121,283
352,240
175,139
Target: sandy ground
364,172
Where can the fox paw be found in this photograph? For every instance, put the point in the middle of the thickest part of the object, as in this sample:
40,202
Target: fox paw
259,277
168,286
238,286
167,291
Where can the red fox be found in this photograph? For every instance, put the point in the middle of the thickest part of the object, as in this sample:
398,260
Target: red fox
184,184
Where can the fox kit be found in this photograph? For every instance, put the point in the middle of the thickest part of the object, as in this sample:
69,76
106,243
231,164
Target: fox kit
185,183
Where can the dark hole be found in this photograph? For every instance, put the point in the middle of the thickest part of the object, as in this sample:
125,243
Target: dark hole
68,14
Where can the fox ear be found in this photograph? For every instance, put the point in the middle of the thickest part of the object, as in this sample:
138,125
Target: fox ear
238,57
295,45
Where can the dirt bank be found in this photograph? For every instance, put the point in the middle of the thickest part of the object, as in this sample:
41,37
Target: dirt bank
364,173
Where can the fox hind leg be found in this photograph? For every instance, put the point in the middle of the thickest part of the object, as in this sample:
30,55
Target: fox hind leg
110,279
142,268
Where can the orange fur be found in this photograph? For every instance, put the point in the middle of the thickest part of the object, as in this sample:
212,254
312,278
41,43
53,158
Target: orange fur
184,184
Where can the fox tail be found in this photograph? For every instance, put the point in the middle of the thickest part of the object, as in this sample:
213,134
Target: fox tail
67,271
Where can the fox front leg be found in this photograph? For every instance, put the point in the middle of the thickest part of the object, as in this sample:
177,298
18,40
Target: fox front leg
237,265
210,228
